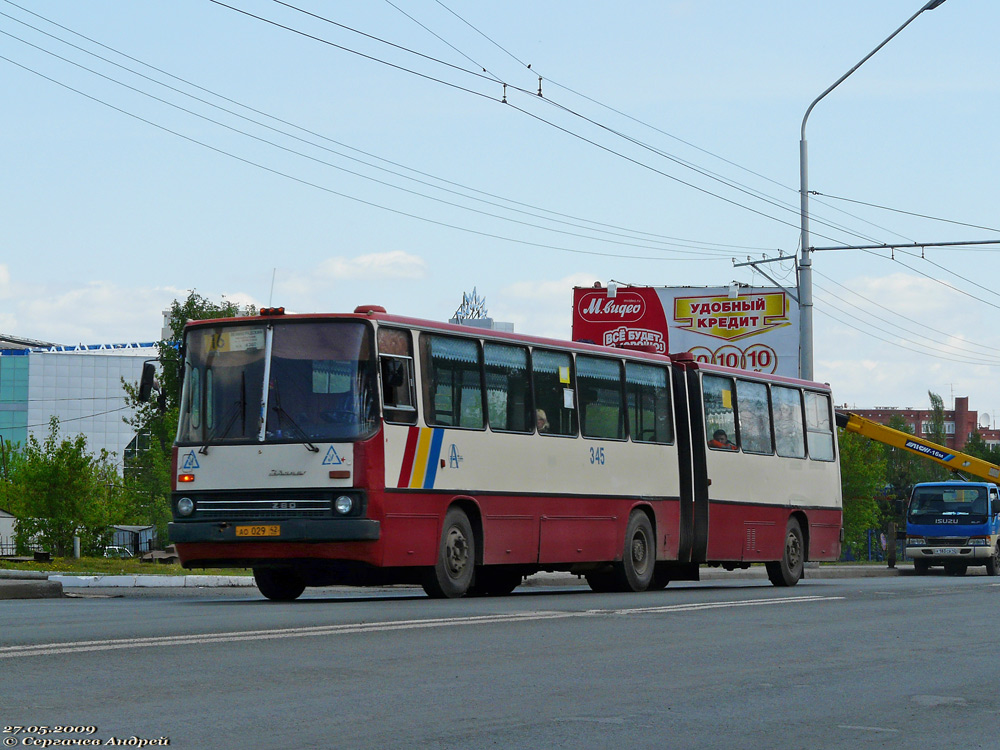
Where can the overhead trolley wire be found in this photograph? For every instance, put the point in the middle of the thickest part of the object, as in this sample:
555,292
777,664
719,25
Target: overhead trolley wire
567,110
732,183
325,189
704,252
577,221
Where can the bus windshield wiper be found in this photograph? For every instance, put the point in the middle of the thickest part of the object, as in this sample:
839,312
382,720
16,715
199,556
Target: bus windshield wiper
282,413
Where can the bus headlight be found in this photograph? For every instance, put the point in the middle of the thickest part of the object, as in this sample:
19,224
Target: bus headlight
343,504
185,506
915,541
977,541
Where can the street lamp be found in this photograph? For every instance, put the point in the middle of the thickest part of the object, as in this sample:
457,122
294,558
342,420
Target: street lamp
805,264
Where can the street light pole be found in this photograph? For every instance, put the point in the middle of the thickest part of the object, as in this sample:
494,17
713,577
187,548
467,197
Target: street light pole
805,262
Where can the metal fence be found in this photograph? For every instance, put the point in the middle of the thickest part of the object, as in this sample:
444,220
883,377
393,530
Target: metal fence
876,547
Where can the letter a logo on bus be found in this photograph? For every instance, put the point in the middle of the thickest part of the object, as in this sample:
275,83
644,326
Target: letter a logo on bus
332,459
190,462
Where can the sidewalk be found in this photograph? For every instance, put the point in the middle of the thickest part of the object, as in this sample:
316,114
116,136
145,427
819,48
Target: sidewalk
18,584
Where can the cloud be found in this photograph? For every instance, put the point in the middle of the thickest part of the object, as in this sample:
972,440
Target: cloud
99,312
4,281
395,264
540,308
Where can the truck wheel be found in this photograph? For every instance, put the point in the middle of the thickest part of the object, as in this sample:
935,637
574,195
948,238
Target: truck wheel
993,563
788,570
920,567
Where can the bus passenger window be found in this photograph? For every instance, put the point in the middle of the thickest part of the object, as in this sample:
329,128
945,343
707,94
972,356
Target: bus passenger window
755,417
819,428
396,365
720,415
599,383
552,375
789,434
647,396
452,381
508,388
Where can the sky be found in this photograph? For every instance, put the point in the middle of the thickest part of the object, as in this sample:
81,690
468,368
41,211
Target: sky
324,155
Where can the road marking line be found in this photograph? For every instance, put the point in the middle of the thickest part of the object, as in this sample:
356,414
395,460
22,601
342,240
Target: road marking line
48,649
868,729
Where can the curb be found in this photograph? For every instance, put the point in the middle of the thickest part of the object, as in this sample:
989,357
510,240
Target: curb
23,588
146,581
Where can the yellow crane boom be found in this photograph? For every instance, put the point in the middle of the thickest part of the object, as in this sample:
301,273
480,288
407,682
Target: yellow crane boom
947,457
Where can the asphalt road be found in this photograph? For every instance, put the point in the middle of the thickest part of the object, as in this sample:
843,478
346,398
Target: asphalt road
847,663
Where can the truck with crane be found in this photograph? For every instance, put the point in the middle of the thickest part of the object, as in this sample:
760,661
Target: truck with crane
953,524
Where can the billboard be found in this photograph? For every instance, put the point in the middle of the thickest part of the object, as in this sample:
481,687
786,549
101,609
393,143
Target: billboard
756,330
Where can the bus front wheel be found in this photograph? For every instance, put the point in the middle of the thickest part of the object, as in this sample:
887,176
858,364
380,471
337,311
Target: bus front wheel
278,585
788,570
452,575
920,567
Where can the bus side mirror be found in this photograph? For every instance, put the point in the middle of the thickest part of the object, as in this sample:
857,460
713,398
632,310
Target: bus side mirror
148,383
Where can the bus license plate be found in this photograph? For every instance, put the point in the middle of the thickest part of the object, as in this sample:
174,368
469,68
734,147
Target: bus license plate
255,531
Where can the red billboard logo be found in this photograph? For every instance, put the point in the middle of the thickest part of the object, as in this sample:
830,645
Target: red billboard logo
598,307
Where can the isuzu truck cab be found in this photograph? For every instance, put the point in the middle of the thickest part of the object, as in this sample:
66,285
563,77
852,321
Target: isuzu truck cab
954,524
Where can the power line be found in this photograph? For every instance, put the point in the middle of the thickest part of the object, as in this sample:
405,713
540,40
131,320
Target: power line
576,221
703,252
541,119
330,191
908,213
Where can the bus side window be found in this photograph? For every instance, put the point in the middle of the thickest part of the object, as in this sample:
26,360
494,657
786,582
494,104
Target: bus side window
755,417
720,413
452,381
396,365
508,388
819,427
599,383
789,433
552,377
648,403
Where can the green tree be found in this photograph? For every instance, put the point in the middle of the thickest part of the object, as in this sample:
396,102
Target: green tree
977,447
147,473
862,478
936,433
58,490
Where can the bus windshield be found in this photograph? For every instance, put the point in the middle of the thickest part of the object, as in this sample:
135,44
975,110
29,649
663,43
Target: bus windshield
961,504
321,384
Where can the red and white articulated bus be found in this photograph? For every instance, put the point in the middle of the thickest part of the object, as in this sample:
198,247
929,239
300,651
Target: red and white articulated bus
369,448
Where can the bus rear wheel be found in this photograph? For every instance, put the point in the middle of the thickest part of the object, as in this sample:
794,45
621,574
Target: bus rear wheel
635,571
452,575
278,584
788,570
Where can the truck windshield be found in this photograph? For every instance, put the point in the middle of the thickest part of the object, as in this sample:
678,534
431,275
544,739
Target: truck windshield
964,505
321,384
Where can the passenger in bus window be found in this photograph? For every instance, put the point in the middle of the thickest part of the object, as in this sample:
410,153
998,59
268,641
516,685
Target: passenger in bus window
541,420
721,441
